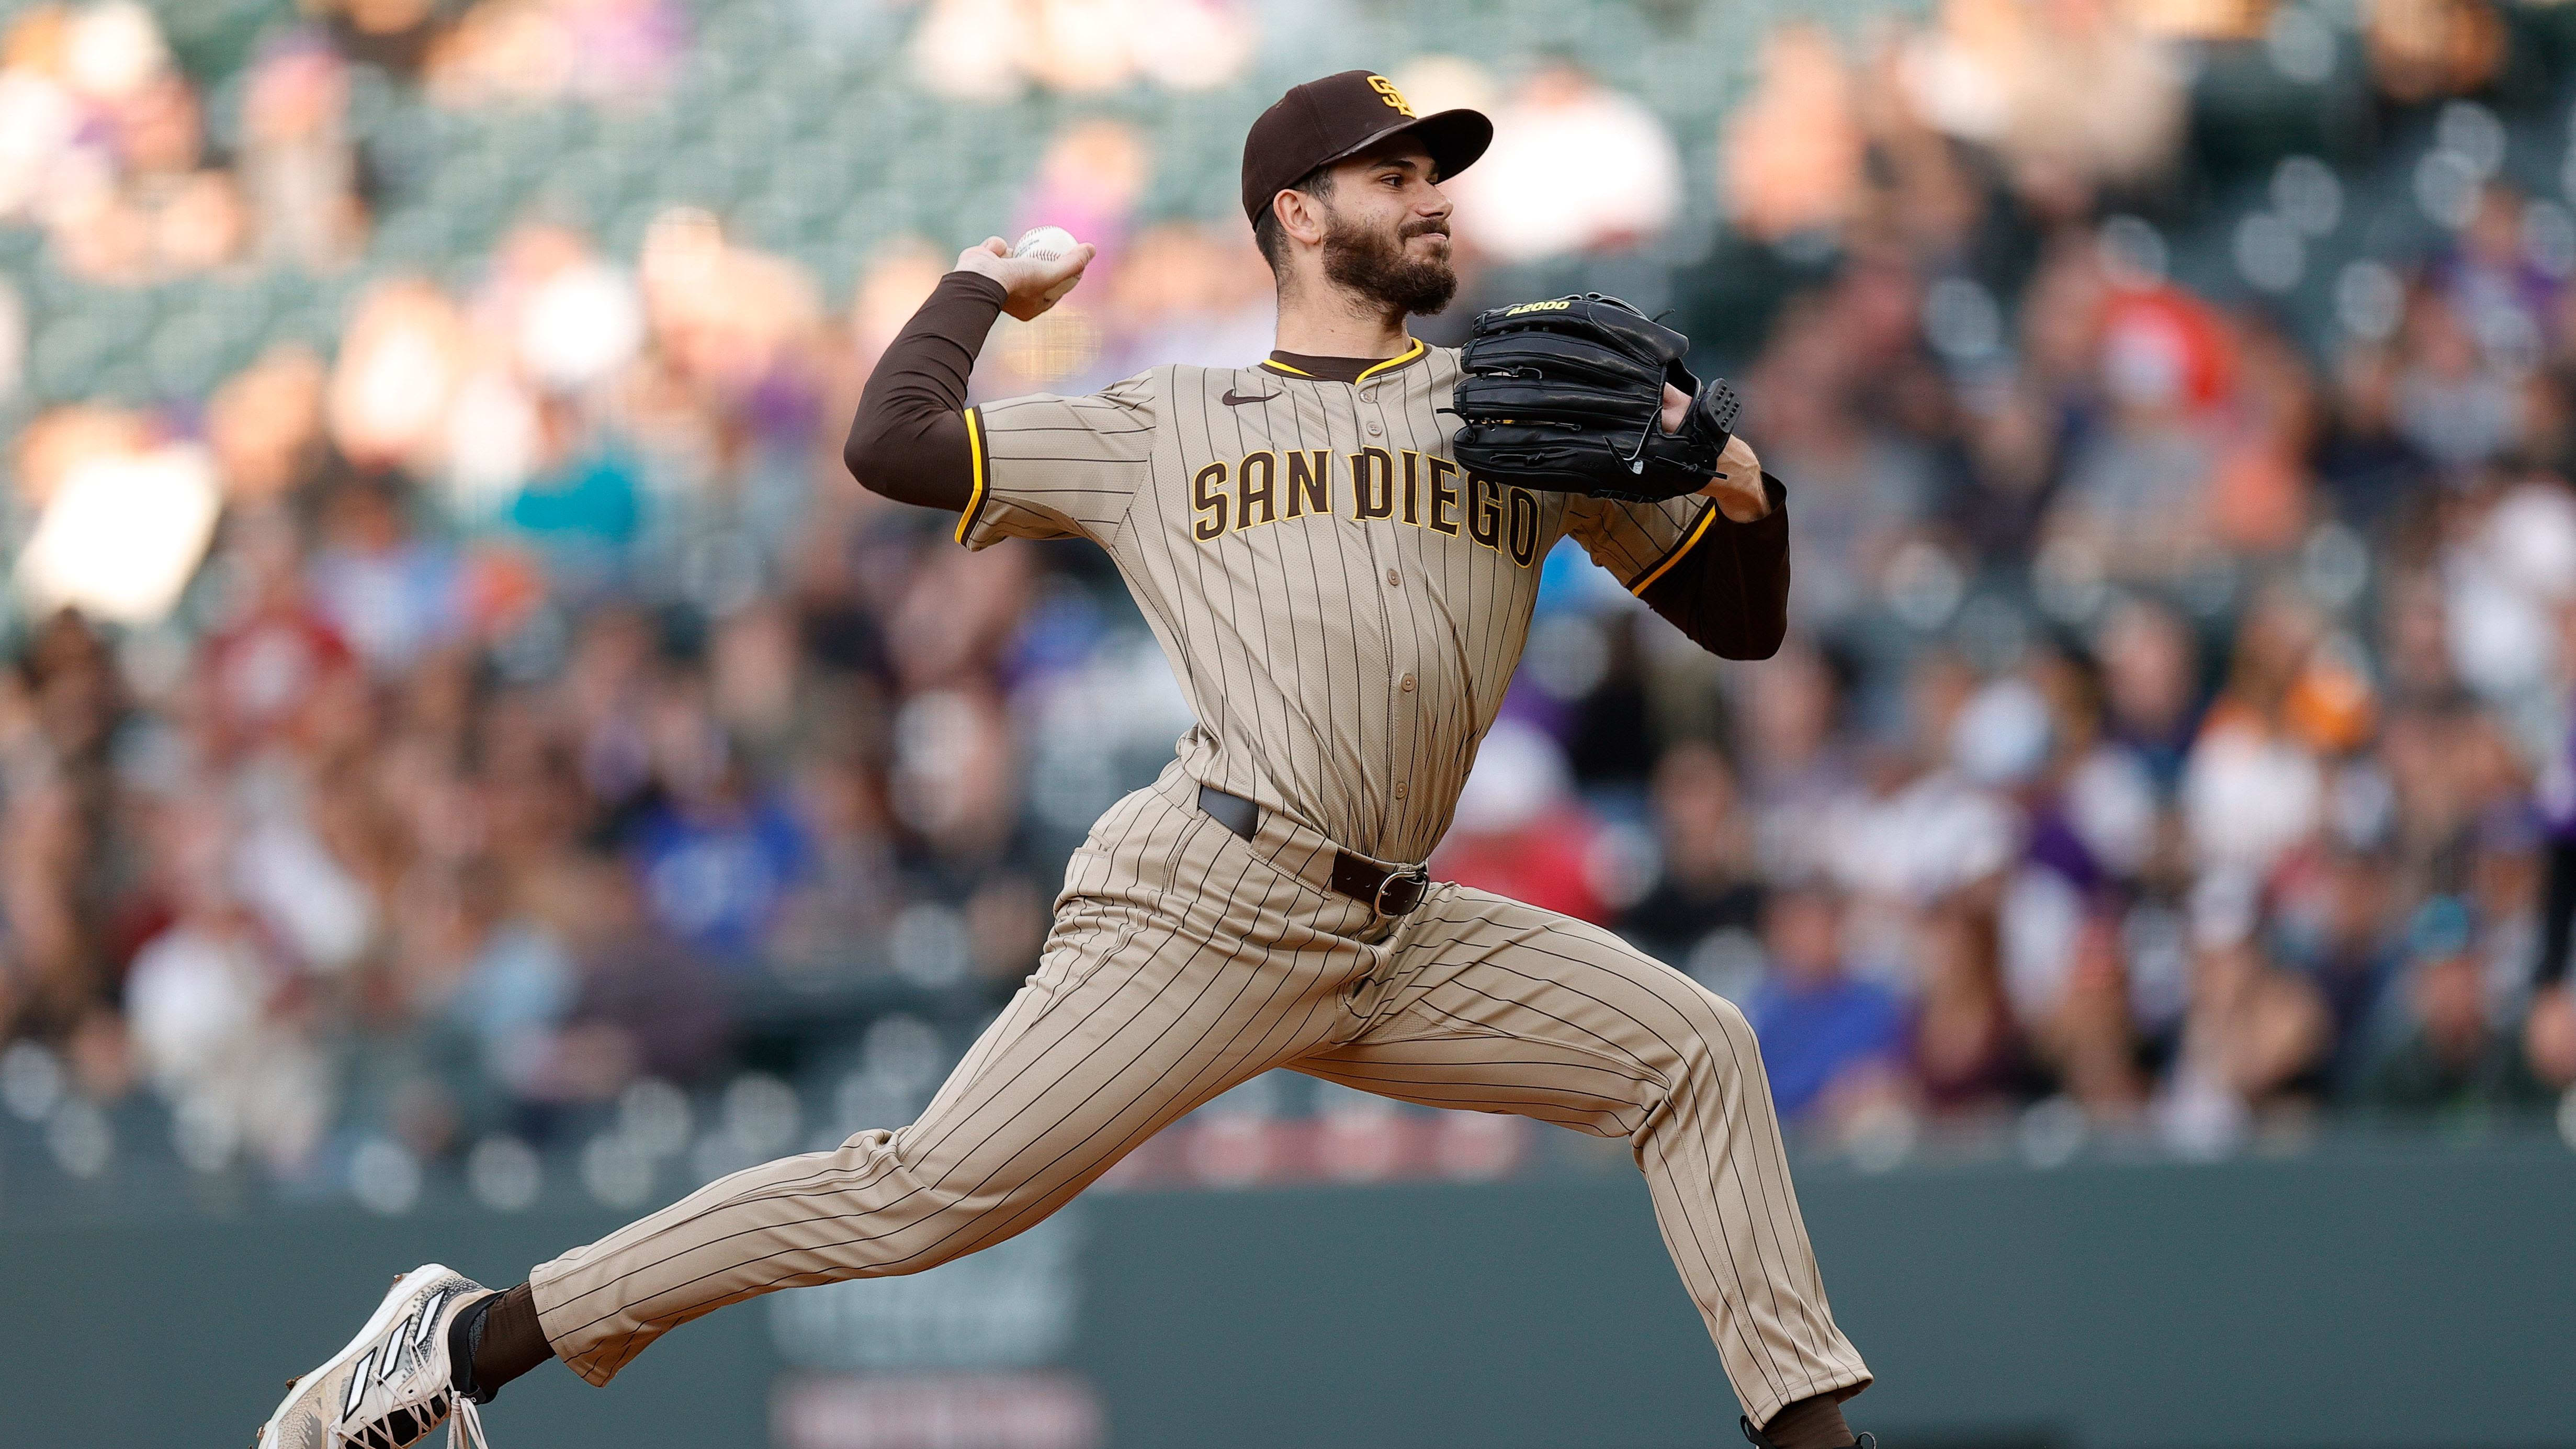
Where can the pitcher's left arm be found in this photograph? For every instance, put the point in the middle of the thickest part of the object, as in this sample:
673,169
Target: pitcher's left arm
1714,563
1729,588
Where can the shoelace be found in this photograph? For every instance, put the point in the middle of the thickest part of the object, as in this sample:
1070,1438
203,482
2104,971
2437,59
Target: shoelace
465,1429
464,1425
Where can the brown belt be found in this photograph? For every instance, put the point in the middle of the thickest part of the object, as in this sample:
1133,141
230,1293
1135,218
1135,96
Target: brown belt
1387,890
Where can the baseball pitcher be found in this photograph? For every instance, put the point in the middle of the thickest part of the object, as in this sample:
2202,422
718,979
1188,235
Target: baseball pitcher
1342,576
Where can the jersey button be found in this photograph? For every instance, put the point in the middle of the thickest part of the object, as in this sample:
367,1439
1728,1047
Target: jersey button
1394,580
1369,396
1407,684
1399,789
1374,430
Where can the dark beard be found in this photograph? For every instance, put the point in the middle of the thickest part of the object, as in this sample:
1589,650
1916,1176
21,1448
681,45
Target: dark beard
1377,267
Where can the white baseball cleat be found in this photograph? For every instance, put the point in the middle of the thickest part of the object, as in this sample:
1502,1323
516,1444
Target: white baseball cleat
393,1384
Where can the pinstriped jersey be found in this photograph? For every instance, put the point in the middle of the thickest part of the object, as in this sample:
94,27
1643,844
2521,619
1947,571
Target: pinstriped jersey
1343,605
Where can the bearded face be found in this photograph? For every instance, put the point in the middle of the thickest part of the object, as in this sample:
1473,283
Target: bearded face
1377,263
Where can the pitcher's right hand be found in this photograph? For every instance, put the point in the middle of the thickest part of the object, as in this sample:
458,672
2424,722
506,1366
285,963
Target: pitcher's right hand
1034,284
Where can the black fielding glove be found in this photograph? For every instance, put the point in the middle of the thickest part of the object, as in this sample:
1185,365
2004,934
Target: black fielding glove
1568,395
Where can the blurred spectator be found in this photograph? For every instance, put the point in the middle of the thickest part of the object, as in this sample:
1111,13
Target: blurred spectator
390,594
392,34
717,860
1795,149
2071,96
1710,879
398,368
265,426
1088,182
848,893
953,786
1519,830
1829,1040
1863,483
1799,760
1575,166
1187,295
642,1005
1967,1048
2444,1053
583,499
2506,578
2453,403
2151,687
896,278
1928,821
987,50
2333,927
2255,1036
109,150
2423,49
526,52
214,1006
298,164
2253,785
2132,492
58,713
121,531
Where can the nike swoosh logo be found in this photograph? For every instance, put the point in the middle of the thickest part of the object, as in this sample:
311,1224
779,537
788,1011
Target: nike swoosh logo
1232,401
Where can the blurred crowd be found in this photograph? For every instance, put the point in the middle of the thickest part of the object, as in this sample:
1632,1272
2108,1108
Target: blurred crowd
109,151
437,733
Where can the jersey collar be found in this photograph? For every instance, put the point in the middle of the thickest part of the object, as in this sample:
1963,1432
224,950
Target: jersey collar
1342,369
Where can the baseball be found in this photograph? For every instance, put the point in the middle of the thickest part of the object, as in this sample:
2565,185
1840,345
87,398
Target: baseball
1045,243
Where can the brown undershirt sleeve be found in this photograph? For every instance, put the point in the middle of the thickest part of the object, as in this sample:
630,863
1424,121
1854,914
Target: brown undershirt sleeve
1730,593
908,441
498,1340
1815,1423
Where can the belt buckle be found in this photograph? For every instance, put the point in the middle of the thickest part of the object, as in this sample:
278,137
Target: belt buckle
1418,877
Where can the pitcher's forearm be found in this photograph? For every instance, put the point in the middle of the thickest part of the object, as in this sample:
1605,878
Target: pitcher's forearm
1730,593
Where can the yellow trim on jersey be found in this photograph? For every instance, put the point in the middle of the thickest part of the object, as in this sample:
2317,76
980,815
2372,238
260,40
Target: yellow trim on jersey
1399,360
974,449
1283,367
1707,516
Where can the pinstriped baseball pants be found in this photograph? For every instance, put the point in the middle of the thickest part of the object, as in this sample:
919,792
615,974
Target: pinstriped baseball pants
1185,960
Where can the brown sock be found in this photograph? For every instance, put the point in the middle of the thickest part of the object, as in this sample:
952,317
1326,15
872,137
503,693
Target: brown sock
502,1341
1815,1423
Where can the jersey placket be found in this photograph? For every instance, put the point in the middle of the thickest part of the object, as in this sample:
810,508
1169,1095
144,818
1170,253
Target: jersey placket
1403,654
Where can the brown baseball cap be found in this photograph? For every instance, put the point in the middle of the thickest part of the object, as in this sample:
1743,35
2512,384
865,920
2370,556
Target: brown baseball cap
1327,120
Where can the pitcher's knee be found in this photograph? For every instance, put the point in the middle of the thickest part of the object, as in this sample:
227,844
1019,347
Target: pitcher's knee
1729,1025
946,1210
1711,1049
